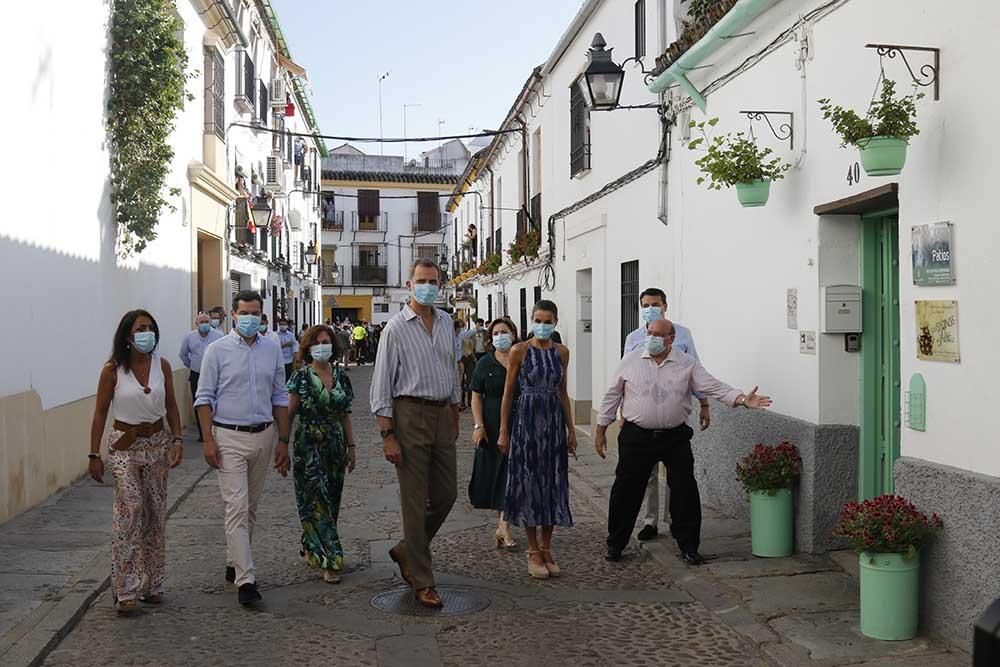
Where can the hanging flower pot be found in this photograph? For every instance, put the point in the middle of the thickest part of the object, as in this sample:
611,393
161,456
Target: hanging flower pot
883,134
883,156
753,194
888,532
768,475
736,160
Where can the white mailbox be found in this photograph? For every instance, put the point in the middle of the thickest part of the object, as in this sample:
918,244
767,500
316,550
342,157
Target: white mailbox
842,309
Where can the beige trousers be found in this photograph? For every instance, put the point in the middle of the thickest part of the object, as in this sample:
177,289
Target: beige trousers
246,458
427,480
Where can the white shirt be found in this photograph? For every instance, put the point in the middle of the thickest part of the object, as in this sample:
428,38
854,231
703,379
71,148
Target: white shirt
658,396
131,404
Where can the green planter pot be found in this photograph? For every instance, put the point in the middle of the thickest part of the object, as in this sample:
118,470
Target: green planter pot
771,523
753,194
890,586
883,156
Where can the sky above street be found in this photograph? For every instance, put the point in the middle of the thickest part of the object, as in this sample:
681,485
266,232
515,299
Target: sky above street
463,63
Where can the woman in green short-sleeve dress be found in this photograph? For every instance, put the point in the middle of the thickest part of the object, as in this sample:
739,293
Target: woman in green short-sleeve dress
323,450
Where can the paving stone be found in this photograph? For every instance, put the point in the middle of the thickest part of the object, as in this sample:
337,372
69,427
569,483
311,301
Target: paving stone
770,567
838,635
772,596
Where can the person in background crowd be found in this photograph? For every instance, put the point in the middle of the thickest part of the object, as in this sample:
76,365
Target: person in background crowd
479,338
305,327
137,385
241,395
376,339
346,345
489,469
324,449
193,349
653,387
266,331
652,307
359,334
464,345
537,429
289,345
218,316
414,396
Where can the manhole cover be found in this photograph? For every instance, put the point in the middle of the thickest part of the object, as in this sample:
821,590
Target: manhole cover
457,601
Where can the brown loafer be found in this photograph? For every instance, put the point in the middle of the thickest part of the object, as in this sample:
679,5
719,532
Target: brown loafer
398,557
429,597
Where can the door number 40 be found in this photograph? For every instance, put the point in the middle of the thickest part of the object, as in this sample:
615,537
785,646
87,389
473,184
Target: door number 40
853,174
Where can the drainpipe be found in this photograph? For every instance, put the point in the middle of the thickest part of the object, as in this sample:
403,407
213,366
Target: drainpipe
525,182
661,209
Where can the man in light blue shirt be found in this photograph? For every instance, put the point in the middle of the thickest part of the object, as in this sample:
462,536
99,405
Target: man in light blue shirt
289,345
241,396
652,307
193,349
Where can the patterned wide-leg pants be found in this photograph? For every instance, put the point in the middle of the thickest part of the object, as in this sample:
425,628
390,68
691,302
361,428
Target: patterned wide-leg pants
138,529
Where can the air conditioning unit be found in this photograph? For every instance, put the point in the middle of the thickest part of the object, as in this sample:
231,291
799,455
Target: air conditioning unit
279,96
295,221
274,174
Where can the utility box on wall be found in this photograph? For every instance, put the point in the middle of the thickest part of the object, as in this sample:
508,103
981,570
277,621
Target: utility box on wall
841,309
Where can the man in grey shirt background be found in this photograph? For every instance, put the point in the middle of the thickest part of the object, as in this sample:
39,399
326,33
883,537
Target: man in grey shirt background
415,397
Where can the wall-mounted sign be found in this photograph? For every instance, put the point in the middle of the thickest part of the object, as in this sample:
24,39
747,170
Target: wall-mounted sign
792,308
937,330
931,250
807,342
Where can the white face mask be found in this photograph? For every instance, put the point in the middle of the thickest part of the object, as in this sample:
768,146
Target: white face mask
655,344
321,351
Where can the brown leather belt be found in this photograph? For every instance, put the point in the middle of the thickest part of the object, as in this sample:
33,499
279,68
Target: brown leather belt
132,432
424,401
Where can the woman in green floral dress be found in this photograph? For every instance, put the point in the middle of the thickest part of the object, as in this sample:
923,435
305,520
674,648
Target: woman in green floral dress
323,453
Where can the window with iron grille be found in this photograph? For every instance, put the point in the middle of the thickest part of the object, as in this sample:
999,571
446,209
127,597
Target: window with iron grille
489,307
536,212
265,104
246,78
369,264
579,130
262,238
498,243
522,223
428,252
215,92
538,294
640,28
630,300
302,256
524,311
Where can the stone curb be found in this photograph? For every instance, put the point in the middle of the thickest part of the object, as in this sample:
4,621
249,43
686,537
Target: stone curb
29,642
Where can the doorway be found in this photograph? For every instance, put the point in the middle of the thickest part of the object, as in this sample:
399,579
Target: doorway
880,382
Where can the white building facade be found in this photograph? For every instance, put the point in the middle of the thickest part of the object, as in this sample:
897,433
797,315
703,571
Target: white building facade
378,216
753,283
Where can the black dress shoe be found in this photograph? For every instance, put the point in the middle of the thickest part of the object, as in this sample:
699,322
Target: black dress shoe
647,533
613,555
231,574
248,594
692,558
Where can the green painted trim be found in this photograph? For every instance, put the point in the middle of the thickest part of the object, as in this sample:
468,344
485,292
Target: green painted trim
871,334
890,293
688,87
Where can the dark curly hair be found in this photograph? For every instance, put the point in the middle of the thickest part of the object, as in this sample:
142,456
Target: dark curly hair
121,346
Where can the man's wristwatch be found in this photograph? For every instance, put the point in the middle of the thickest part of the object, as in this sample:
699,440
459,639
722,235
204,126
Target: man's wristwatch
386,433
476,427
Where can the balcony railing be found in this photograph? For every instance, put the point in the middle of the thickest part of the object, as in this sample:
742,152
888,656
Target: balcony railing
332,275
369,275
333,221
369,223
536,211
522,223
428,222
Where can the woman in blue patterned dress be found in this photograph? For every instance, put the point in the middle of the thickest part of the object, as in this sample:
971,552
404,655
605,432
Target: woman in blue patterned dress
537,493
323,453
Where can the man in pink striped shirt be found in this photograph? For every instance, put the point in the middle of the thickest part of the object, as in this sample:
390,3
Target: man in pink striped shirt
653,387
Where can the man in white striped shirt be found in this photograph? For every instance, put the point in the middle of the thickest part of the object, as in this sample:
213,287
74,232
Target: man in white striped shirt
653,387
415,397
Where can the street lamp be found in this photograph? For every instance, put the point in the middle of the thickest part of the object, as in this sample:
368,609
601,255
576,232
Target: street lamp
335,273
261,212
601,83
310,254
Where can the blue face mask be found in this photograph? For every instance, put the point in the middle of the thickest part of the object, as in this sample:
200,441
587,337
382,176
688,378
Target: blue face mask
144,341
321,351
655,345
503,341
215,323
248,325
651,314
543,331
425,293
204,328
263,327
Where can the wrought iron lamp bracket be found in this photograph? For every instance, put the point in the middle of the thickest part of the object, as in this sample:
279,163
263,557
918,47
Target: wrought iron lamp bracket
648,75
930,74
784,131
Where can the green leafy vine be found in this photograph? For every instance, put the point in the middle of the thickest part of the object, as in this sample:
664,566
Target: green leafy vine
733,158
148,66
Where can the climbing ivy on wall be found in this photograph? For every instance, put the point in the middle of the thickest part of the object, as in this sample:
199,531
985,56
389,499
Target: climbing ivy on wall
147,75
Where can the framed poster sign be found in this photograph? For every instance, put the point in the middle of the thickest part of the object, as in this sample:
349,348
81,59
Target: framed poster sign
937,331
932,254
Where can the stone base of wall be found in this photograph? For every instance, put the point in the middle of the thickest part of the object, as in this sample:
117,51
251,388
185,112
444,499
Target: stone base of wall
42,451
829,468
960,571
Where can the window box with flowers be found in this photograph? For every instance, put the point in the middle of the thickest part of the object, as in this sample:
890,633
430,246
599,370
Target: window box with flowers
888,532
490,265
768,475
525,247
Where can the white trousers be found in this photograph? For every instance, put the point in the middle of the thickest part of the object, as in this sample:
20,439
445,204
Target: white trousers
651,517
246,458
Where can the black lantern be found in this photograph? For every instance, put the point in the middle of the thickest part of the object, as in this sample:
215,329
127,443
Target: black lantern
335,273
261,212
310,254
602,80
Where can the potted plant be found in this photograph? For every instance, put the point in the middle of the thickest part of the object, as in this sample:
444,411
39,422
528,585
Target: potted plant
883,134
888,532
490,265
736,160
768,474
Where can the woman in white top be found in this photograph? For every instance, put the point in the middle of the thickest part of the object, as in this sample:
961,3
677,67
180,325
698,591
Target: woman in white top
138,386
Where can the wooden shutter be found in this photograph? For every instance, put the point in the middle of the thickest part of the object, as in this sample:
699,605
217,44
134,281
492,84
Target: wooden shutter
428,212
368,204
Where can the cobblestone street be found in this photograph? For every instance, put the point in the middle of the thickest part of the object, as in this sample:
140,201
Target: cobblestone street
597,613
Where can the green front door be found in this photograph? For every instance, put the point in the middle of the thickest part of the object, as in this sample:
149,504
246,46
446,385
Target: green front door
880,386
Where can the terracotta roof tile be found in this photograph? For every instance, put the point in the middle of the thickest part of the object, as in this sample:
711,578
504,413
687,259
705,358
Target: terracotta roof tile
390,177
